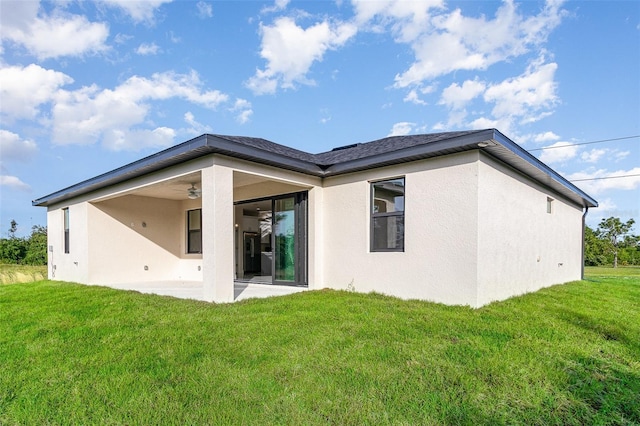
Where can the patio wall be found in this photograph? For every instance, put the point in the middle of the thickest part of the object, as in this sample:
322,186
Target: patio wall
135,238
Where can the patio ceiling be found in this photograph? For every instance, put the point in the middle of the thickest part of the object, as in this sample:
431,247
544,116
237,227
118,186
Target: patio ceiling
170,189
177,188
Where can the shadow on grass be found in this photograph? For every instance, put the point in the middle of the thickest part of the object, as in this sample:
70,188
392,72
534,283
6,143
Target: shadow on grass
607,330
607,390
604,380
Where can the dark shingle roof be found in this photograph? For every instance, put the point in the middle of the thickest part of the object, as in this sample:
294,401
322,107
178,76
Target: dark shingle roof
351,158
383,146
269,146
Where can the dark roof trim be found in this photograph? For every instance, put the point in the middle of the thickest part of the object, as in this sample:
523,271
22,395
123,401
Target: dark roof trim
545,172
189,150
356,157
431,149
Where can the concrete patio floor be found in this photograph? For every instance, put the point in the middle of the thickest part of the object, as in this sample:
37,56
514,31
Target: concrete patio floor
194,289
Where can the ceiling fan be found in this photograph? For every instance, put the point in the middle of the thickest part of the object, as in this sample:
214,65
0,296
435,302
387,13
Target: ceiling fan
193,192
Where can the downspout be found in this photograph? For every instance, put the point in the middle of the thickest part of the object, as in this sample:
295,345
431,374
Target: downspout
584,216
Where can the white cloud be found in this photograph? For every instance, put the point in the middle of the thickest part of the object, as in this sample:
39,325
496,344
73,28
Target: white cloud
526,95
146,49
470,43
457,97
446,41
13,182
545,137
137,10
621,155
558,152
13,147
205,10
606,204
402,128
518,100
196,127
122,38
51,36
325,115
25,89
291,50
136,139
414,98
18,14
407,19
243,108
91,114
602,180
277,6
505,125
594,155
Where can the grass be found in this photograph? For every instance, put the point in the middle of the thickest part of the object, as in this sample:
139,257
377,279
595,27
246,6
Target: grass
566,355
620,271
11,274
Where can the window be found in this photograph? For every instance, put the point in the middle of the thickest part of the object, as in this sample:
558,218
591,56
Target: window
66,229
387,215
549,205
194,231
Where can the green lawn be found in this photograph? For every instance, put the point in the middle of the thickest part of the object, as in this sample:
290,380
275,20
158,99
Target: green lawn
73,354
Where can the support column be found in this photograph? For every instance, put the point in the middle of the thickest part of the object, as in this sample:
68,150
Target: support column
217,234
315,235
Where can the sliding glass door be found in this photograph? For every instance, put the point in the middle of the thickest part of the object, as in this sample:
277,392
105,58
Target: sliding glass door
290,239
272,234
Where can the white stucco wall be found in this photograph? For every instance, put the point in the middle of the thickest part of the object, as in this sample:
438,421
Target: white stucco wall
439,261
72,266
135,238
521,247
475,231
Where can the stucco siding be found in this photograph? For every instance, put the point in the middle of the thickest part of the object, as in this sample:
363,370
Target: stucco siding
522,248
439,260
72,266
135,238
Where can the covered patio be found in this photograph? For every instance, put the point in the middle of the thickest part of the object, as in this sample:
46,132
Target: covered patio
192,231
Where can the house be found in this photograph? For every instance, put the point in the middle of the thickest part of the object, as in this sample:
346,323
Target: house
461,218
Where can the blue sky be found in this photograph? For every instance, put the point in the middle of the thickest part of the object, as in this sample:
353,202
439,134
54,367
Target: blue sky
86,87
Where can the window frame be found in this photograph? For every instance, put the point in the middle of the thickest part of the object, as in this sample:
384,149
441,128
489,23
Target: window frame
192,232
376,215
65,228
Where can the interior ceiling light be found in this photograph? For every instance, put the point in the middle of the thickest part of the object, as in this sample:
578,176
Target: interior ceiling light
193,192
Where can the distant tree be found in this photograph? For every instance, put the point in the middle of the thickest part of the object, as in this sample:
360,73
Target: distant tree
630,250
595,252
36,253
13,228
12,249
612,231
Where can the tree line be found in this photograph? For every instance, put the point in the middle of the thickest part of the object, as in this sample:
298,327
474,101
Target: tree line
31,250
611,243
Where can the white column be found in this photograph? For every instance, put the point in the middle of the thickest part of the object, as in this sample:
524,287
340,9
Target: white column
217,233
315,238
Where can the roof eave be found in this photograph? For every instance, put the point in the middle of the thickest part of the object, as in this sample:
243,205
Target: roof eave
517,157
491,141
192,149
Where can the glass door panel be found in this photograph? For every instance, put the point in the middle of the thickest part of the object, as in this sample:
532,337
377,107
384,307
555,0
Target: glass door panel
284,235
